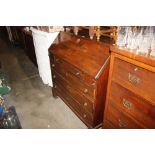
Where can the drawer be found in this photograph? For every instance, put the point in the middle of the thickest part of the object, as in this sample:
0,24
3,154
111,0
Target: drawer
86,117
83,101
140,109
80,87
120,120
69,71
137,79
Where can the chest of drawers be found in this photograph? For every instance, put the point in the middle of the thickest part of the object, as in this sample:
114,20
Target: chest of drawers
80,72
130,101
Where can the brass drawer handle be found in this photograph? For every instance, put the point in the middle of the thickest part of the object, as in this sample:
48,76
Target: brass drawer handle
84,115
57,59
127,104
121,124
66,74
77,73
133,79
85,104
85,90
53,65
55,86
54,76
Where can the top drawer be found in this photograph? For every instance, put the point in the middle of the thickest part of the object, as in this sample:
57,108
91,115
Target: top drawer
137,79
65,69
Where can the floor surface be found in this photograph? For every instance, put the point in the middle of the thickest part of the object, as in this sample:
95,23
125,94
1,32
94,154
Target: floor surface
35,106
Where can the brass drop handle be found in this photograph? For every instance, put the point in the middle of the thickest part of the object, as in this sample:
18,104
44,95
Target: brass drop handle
84,115
54,76
57,59
127,104
66,74
85,104
77,73
85,90
53,65
121,124
133,79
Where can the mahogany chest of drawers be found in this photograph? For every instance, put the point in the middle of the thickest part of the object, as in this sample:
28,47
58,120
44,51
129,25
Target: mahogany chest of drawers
130,101
80,70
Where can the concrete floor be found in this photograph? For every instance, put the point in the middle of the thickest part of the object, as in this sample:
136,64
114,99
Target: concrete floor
35,106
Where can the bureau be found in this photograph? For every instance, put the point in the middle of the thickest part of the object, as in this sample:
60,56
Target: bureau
80,70
130,100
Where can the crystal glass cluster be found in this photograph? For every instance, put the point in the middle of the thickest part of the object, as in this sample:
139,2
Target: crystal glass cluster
137,38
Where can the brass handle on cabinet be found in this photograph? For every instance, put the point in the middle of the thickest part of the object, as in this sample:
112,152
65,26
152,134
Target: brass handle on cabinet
127,104
77,73
57,59
85,104
133,79
85,90
84,115
53,65
66,74
121,124
54,76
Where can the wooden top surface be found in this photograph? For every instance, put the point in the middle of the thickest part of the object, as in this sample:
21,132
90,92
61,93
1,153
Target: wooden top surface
149,60
85,54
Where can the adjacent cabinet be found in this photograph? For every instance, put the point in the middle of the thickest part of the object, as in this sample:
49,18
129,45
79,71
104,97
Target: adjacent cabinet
130,101
80,70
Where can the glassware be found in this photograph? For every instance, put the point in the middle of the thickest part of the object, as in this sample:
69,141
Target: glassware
121,40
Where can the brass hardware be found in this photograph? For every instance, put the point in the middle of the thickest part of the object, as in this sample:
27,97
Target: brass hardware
54,76
77,73
84,115
85,90
66,74
53,65
78,41
133,79
127,104
57,59
121,124
135,69
85,104
55,86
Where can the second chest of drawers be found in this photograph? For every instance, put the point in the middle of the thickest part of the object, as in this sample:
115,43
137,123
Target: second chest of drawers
130,99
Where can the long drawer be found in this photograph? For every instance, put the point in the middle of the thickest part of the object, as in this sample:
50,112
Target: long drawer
137,79
87,91
120,120
65,68
81,99
133,105
73,104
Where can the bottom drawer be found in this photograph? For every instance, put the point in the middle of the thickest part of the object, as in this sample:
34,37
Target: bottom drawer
120,120
86,117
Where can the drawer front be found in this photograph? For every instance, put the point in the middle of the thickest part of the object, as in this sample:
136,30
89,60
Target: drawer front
67,70
75,106
82,100
140,109
119,119
77,85
135,78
